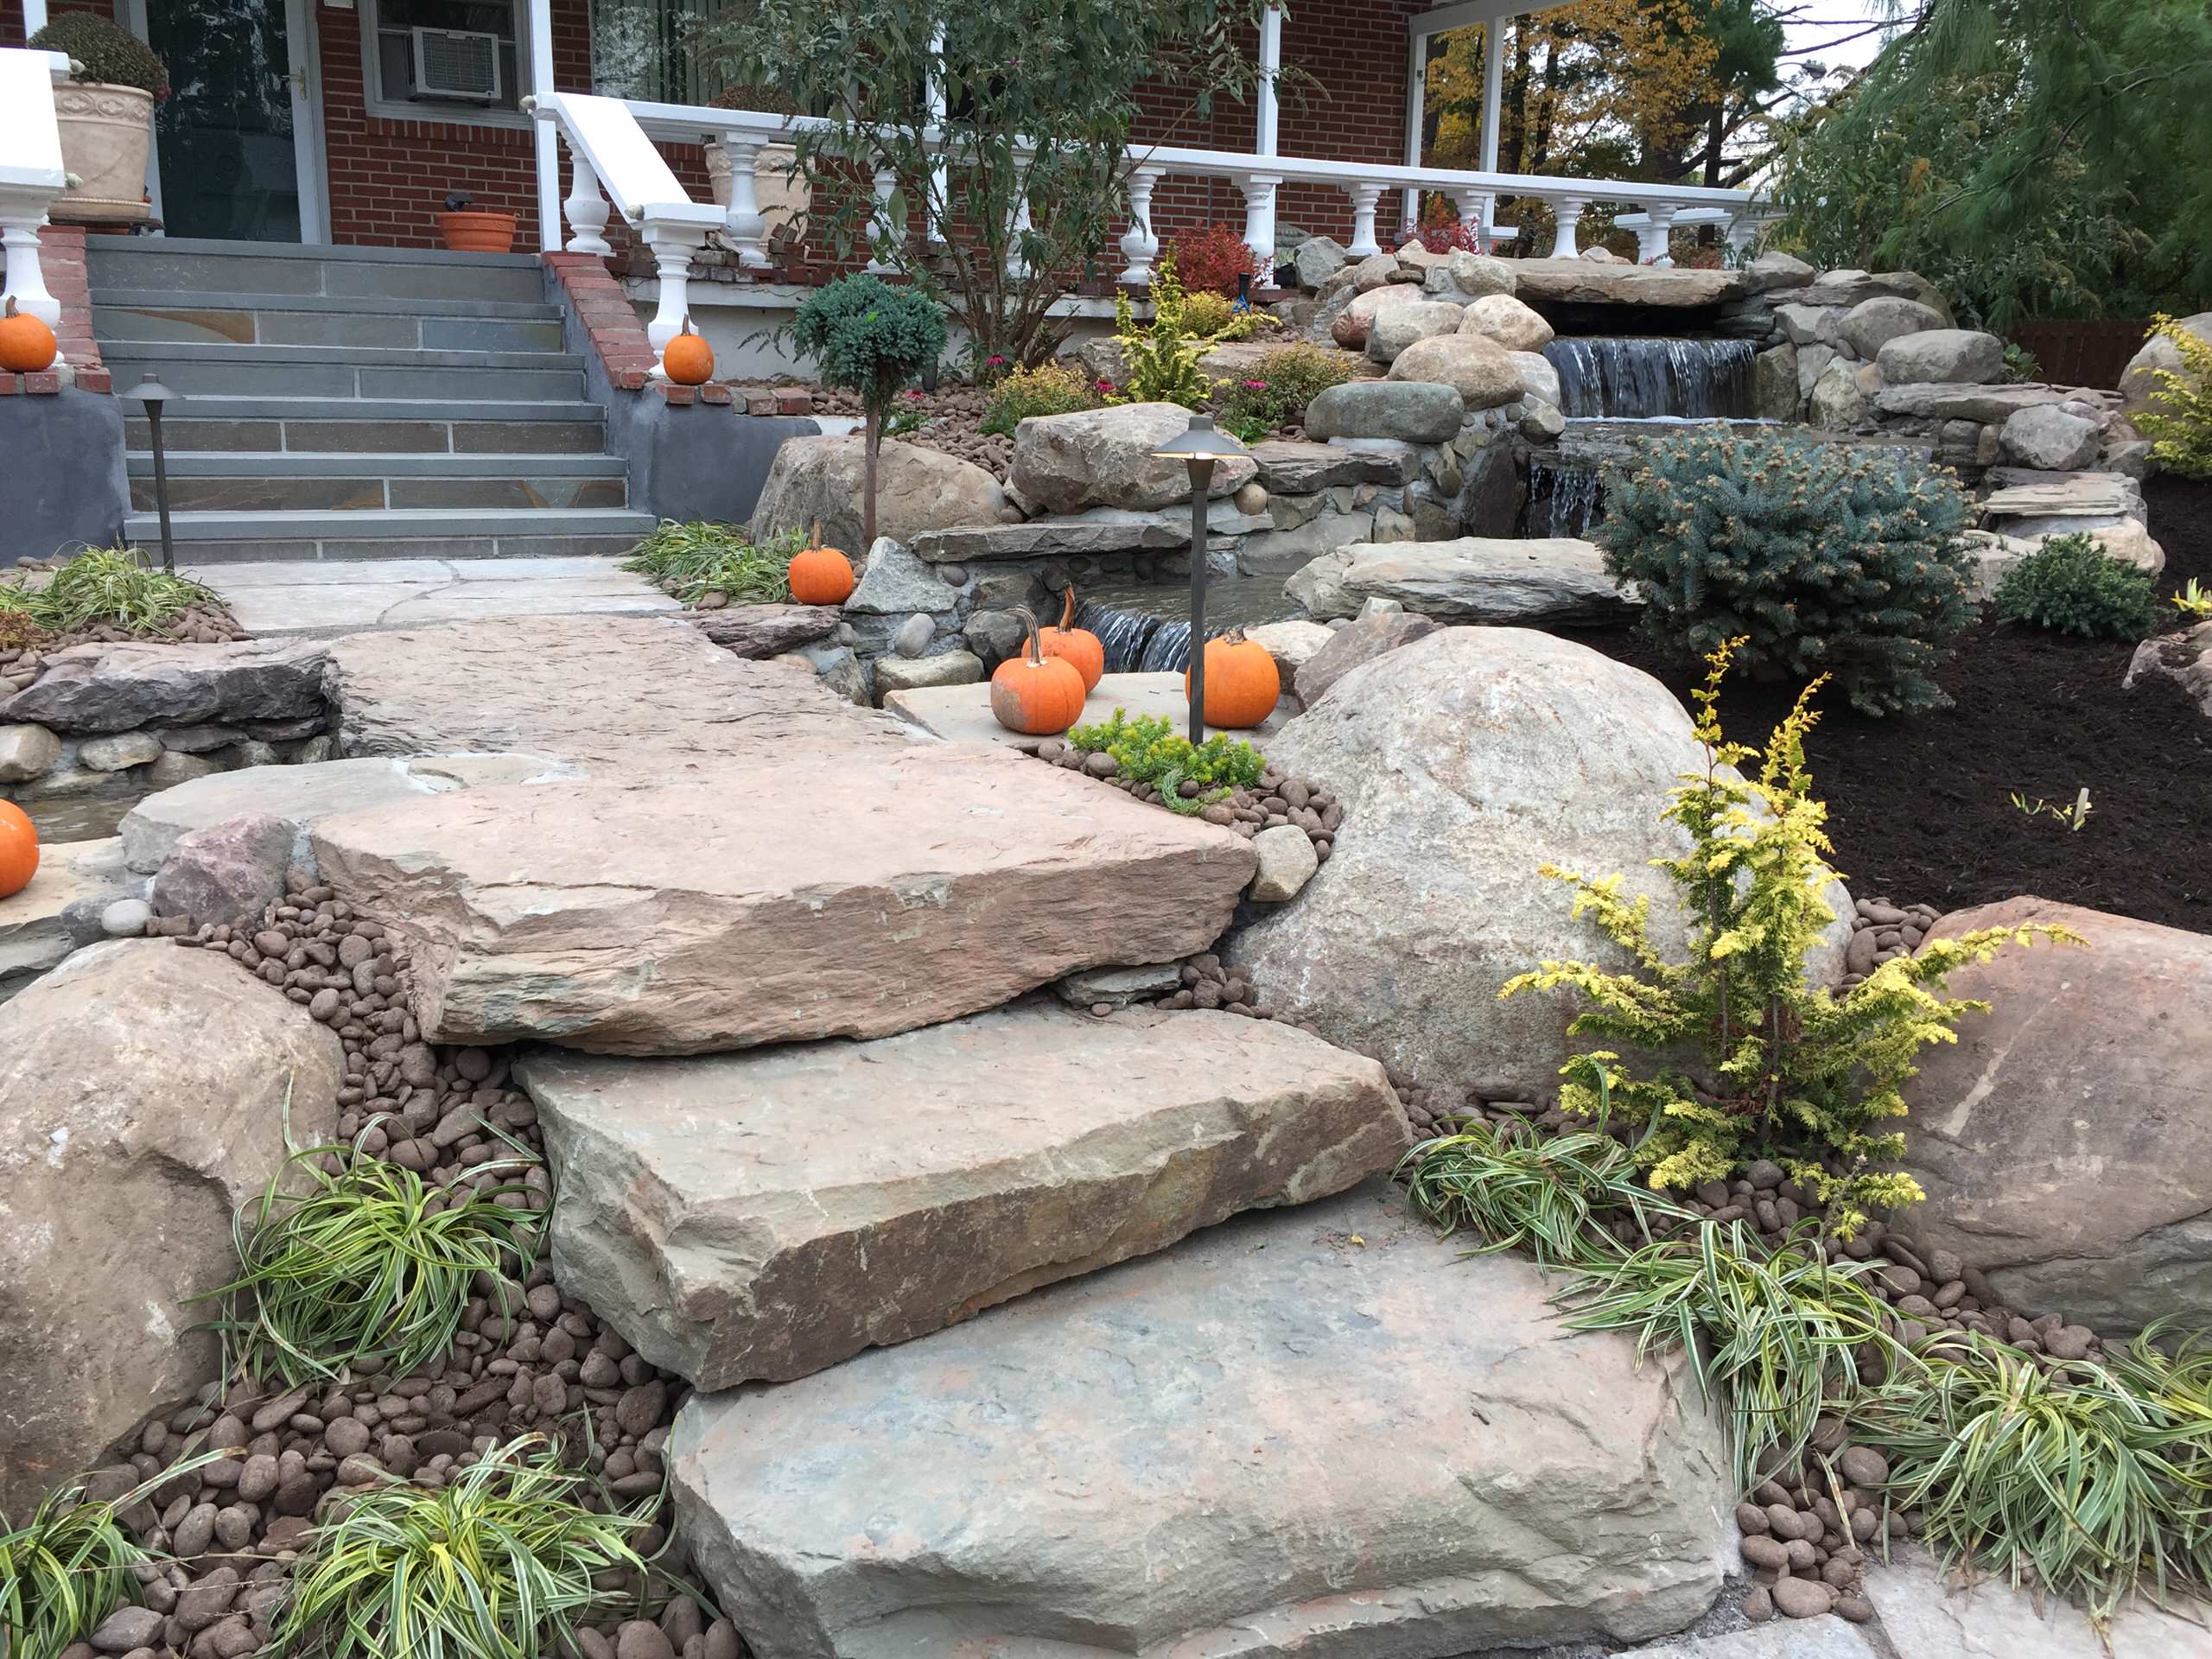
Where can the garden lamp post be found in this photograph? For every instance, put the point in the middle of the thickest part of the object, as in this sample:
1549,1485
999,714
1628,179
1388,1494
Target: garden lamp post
152,394
1199,448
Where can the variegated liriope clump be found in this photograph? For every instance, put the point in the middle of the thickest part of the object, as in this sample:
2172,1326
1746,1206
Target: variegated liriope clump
1783,1069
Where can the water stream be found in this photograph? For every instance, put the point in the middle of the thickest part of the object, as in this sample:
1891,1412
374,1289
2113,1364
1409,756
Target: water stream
1609,377
1146,627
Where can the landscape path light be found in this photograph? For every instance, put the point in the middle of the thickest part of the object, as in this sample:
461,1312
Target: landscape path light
1201,447
151,394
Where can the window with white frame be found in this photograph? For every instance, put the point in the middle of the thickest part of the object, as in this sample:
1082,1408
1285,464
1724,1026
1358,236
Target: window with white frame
447,60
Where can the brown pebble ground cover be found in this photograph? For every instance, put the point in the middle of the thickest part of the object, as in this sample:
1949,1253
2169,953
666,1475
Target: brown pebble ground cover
1921,807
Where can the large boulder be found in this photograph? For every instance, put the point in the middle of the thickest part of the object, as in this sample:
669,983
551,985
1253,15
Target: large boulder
855,892
2183,658
1358,642
883,1190
1412,411
1536,581
1539,378
821,481
1481,371
1511,323
1104,458
1462,276
1871,324
2139,380
119,687
1397,326
1950,356
1310,1432
1351,326
1465,761
142,1094
2063,1140
760,632
1318,259
2050,439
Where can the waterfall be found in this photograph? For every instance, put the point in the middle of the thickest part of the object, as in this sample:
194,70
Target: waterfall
1562,501
1604,377
1146,627
1125,635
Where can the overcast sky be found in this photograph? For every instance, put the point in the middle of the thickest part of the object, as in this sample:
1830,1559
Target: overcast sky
1827,21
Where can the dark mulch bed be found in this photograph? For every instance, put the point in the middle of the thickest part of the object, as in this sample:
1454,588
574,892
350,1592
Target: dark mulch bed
1920,807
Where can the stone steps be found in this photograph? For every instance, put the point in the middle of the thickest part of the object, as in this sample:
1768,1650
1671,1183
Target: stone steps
345,372
763,1215
274,482
182,317
212,537
329,272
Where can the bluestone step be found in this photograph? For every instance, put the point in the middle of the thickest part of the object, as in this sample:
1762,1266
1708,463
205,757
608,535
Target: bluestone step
332,272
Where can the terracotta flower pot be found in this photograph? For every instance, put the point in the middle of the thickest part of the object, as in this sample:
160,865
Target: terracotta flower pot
472,231
104,133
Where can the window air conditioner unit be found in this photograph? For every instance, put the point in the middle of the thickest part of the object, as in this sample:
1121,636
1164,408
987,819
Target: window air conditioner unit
451,63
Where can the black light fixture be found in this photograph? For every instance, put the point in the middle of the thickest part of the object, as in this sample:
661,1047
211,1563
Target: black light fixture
1200,448
152,394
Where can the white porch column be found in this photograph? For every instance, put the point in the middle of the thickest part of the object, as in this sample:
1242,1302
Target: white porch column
1260,225
1139,246
744,227
1416,112
1364,199
886,232
1567,210
586,207
933,97
548,142
1017,266
672,247
34,17
1651,240
1493,90
31,176
1263,101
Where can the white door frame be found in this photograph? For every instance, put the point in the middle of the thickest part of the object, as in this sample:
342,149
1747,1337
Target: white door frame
305,49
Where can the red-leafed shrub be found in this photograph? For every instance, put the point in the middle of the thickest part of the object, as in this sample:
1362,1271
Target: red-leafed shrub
1441,230
1213,258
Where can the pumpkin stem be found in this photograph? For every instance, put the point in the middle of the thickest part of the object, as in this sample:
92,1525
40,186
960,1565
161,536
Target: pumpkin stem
1029,621
11,305
1067,610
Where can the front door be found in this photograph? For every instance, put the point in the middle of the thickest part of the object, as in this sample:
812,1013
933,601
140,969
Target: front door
234,141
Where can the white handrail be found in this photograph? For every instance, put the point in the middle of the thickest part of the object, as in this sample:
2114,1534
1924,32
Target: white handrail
31,174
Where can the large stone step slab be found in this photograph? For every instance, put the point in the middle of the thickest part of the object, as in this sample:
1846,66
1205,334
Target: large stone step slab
1314,1431
842,893
742,1217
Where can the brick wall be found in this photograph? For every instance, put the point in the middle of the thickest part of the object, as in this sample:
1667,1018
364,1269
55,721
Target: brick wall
62,262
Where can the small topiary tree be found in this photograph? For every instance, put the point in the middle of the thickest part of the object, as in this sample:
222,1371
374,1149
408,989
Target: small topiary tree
872,338
2179,421
109,55
1822,558
1786,1071
2071,585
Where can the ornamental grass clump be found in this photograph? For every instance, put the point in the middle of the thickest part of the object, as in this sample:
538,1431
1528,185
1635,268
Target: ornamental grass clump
110,585
690,561
1560,1196
1816,556
62,1572
501,1562
2071,585
368,1264
1768,1066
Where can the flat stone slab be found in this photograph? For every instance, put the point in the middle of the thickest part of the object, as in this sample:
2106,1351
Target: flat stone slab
311,599
852,894
35,935
116,687
1989,405
761,631
742,1217
307,794
615,694
2108,496
961,713
1313,1431
1926,1617
1532,582
1290,466
1094,530
1586,281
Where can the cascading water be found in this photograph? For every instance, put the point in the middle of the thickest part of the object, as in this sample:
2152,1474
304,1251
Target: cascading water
1562,501
1140,627
1604,378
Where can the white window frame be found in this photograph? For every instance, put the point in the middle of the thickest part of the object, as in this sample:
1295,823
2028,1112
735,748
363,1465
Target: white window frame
454,114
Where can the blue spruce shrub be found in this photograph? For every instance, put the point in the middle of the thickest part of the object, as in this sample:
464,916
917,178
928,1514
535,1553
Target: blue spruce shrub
1827,559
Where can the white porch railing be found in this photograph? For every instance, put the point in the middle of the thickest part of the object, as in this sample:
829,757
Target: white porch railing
30,172
611,142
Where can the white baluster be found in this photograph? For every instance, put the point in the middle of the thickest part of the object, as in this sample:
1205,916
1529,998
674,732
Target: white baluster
672,247
885,232
1260,224
1363,200
744,228
1567,210
1139,246
1651,241
19,223
1743,231
1017,267
586,207
1474,213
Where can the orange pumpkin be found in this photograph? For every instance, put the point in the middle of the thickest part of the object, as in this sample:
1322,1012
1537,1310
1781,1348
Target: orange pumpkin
26,344
1077,645
1034,694
821,576
18,849
688,360
1242,683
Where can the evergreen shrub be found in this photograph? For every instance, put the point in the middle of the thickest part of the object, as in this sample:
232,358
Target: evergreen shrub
2071,585
1822,558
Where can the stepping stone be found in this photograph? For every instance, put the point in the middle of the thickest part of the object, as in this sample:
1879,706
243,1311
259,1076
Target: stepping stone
1541,581
741,1216
853,893
1314,1431
309,793
961,713
118,687
627,693
2062,503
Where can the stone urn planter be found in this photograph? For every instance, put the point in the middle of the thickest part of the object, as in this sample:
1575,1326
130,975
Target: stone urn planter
781,193
105,129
